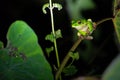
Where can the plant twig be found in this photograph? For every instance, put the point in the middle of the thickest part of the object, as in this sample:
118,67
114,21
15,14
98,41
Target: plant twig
67,57
103,20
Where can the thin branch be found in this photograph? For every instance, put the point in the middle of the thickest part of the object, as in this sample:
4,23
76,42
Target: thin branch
67,57
103,20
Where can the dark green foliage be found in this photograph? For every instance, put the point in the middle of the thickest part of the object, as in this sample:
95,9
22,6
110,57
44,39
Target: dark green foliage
1,45
75,7
70,70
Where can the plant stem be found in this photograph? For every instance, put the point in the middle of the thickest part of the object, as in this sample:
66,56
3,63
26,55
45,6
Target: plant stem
103,20
53,31
67,57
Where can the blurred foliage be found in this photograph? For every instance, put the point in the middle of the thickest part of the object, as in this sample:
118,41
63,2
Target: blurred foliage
23,58
75,7
86,51
113,70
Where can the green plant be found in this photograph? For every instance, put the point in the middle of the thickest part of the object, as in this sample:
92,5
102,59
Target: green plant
23,58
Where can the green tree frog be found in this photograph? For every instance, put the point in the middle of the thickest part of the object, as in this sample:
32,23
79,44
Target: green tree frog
84,27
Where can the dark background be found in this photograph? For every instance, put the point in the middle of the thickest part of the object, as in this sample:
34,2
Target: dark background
31,12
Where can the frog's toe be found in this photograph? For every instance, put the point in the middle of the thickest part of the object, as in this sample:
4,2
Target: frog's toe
89,37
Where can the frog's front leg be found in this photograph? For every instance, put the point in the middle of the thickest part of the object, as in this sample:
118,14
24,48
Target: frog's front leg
86,37
89,37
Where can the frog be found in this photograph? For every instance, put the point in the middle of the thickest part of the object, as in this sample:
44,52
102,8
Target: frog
84,28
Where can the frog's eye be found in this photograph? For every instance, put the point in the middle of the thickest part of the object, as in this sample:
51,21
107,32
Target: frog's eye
79,22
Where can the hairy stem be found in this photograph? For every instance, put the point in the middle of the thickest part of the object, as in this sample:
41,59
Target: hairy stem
53,31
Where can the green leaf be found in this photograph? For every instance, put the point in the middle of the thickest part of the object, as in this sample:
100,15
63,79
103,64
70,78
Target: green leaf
75,7
58,34
75,56
44,8
49,50
31,63
116,21
51,37
113,70
57,5
70,70
54,5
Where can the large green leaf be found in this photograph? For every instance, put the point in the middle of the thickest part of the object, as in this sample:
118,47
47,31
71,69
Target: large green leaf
117,24
113,70
23,58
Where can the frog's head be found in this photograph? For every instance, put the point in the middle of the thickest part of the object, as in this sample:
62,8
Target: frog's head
76,23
